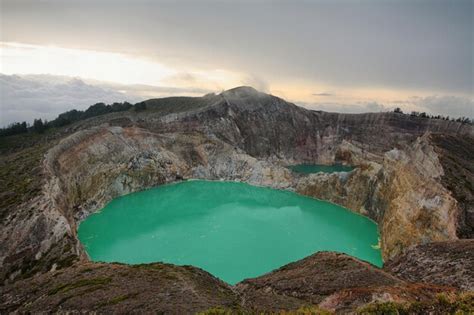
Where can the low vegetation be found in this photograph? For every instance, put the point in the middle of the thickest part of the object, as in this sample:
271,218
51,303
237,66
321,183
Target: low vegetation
307,310
458,304
20,176
116,300
63,288
464,120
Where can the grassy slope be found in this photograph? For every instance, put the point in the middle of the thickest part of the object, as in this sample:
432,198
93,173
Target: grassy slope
20,167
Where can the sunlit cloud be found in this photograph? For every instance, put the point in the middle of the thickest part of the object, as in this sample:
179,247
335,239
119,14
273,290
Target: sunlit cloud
323,94
20,58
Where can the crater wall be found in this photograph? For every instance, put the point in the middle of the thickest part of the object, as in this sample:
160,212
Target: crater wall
239,135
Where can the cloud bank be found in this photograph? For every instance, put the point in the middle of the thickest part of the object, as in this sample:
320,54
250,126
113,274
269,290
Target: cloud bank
423,45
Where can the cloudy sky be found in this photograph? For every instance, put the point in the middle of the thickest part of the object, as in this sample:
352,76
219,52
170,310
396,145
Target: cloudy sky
351,56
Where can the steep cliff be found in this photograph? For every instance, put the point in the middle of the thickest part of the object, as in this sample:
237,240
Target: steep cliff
456,155
403,193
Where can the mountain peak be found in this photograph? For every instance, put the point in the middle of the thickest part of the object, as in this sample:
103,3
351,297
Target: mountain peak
242,90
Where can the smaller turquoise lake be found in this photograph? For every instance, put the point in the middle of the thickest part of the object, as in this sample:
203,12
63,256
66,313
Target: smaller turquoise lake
316,168
232,230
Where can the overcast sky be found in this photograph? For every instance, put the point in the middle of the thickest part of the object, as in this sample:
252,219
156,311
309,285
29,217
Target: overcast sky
335,55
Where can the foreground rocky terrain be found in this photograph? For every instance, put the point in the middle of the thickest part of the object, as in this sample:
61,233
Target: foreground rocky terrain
324,281
414,176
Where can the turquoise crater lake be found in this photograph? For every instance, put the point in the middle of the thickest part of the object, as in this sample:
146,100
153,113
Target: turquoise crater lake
232,230
317,168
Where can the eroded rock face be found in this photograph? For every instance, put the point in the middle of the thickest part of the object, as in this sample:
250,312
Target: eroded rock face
403,193
242,135
354,190
419,208
445,263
